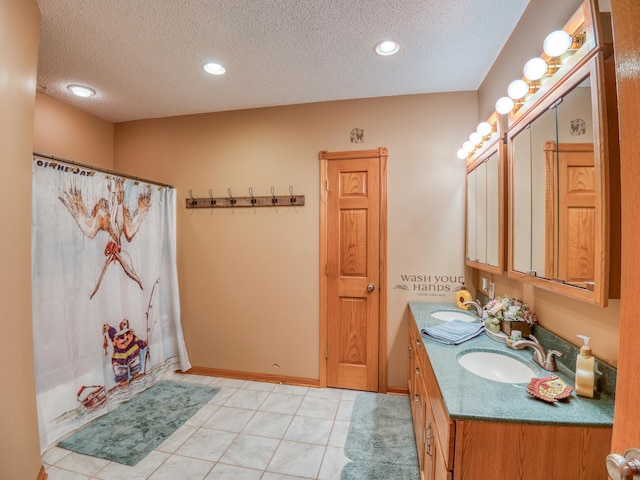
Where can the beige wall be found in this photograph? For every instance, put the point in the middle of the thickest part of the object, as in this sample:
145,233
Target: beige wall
249,279
19,34
66,132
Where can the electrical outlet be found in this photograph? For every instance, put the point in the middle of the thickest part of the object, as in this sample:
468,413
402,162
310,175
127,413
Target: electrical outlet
485,284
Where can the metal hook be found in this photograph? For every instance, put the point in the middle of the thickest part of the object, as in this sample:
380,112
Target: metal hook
193,200
253,199
233,200
274,200
292,199
213,200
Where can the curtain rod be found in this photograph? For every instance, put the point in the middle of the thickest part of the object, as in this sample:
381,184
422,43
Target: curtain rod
102,170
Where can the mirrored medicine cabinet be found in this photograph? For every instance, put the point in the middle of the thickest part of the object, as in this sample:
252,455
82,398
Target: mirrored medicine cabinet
561,171
485,209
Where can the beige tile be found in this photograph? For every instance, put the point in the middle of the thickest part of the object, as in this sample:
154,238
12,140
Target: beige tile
297,459
177,467
339,433
282,403
332,464
83,464
268,424
318,407
207,444
250,451
55,473
229,419
345,409
51,456
250,399
227,472
202,415
309,430
141,471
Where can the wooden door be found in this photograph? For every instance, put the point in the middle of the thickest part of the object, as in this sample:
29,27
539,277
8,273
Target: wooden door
626,422
353,189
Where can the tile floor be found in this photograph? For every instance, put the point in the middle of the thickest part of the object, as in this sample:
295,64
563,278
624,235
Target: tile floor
248,431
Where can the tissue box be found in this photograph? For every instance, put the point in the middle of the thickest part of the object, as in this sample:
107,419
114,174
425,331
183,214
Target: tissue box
524,327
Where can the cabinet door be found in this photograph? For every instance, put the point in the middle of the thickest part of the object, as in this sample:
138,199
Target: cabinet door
416,392
428,441
440,471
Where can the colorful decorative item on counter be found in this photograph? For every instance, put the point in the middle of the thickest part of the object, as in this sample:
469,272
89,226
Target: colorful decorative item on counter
463,296
511,314
550,389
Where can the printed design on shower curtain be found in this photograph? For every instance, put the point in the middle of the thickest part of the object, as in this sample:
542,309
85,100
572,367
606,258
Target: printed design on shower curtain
101,335
109,214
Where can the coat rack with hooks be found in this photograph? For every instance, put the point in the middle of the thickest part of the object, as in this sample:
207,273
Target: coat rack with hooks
230,201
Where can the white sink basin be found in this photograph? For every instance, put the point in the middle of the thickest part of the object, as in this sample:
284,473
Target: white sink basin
497,367
448,315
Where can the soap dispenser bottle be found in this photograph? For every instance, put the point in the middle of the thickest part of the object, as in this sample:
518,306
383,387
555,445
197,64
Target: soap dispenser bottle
585,368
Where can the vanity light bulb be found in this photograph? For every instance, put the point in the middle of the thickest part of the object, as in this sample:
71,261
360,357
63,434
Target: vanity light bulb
462,154
484,129
475,138
504,105
535,69
557,43
517,89
467,147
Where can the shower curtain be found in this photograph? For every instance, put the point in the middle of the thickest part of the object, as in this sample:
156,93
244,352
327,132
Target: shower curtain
106,312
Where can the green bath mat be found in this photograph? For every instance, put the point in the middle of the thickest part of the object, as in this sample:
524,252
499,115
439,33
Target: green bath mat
381,442
128,433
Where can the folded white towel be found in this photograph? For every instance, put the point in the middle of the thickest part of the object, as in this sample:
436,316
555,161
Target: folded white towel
453,332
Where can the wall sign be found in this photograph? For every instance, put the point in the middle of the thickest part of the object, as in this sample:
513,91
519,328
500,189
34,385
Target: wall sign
430,285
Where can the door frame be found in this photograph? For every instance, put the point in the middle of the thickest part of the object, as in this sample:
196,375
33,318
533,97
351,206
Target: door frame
325,157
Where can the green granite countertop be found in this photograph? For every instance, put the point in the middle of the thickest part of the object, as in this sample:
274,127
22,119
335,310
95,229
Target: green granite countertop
470,397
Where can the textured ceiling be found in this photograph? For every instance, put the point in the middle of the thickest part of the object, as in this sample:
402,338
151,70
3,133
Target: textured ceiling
144,57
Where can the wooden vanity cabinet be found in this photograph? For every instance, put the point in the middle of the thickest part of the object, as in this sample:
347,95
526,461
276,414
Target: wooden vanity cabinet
478,450
432,426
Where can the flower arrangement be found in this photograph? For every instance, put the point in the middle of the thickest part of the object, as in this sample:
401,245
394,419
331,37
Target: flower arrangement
510,309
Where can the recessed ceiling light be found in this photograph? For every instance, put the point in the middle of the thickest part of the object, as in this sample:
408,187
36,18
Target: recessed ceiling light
81,91
214,68
386,48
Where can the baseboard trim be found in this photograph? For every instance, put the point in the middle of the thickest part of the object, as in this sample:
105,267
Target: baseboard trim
398,390
258,377
42,475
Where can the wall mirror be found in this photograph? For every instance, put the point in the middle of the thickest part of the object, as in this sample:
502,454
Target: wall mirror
485,210
559,202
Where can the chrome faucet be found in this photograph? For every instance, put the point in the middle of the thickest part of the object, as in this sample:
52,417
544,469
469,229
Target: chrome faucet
474,303
546,360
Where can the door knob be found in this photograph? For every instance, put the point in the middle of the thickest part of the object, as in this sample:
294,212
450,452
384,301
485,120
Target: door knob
371,287
624,468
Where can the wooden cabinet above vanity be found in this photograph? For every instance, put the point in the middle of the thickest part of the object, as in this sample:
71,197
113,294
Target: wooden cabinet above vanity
486,205
563,173
561,182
